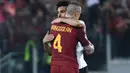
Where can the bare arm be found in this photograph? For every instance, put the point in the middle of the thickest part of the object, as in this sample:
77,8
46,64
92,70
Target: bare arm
46,41
47,48
89,49
71,22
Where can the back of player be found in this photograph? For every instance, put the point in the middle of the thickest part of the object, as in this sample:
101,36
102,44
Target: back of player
63,49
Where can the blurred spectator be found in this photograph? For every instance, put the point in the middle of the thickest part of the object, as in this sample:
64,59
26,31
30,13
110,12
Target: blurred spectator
93,13
2,18
6,29
37,29
21,3
119,29
10,7
50,5
2,28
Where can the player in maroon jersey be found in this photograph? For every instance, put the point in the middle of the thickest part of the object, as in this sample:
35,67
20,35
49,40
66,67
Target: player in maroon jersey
63,50
64,47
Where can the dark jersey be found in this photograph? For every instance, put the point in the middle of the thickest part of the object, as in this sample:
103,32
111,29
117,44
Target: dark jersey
66,39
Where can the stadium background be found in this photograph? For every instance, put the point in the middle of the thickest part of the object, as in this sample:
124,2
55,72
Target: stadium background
23,24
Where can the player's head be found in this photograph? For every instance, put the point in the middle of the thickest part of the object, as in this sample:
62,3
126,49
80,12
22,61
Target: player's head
73,10
61,8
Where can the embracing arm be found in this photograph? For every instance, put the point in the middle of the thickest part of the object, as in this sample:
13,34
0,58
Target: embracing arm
89,49
47,48
71,22
46,42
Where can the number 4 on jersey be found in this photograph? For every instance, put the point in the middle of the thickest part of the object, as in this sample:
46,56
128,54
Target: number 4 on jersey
57,43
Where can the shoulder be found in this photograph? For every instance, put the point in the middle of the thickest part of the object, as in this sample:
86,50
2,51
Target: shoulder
83,23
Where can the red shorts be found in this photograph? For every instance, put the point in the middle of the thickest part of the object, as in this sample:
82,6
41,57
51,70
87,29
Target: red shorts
63,67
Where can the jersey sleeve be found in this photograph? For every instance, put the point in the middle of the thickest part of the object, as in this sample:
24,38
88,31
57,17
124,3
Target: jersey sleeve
81,36
82,22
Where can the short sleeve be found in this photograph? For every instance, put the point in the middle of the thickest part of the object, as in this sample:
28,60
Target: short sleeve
81,36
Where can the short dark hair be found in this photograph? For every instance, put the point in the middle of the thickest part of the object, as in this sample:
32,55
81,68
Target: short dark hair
62,3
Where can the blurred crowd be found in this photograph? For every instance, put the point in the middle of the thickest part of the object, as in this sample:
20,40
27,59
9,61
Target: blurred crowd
27,21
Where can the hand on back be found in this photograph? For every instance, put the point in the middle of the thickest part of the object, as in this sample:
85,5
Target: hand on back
48,37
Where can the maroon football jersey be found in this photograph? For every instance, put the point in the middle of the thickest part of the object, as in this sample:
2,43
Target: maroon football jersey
66,39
